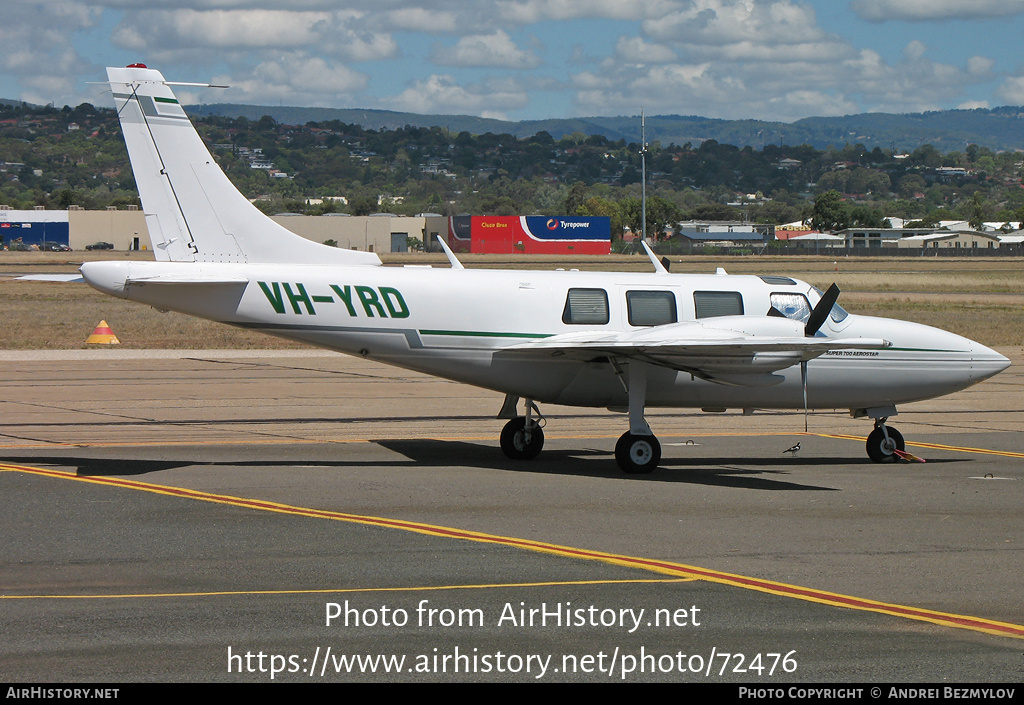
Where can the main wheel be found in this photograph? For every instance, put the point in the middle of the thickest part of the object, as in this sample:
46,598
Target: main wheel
637,454
519,444
881,450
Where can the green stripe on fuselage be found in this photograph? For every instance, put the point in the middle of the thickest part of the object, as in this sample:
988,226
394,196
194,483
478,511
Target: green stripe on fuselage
484,334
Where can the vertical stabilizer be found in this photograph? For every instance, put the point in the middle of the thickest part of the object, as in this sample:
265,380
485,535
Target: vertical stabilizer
193,211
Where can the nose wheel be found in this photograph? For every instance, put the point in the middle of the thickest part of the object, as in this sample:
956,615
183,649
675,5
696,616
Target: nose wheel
883,444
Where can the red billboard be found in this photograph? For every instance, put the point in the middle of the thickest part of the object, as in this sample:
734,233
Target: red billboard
529,234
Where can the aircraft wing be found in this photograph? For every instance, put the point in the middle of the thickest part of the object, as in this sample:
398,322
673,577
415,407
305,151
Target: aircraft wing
729,350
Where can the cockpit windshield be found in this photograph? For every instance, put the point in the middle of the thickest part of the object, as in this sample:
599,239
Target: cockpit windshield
838,314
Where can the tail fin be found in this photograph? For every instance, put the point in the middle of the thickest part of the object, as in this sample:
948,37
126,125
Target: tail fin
193,212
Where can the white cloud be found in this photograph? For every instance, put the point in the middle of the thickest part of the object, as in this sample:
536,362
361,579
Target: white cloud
914,50
37,52
165,33
637,51
919,10
226,29
972,105
722,58
496,49
418,19
739,82
1012,90
980,66
537,11
912,85
818,103
737,30
295,79
443,94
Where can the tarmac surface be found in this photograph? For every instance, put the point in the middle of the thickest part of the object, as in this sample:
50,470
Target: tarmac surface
201,515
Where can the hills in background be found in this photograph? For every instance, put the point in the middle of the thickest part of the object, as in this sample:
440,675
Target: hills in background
947,130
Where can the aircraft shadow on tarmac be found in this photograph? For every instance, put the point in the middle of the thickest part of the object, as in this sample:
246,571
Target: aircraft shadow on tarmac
758,473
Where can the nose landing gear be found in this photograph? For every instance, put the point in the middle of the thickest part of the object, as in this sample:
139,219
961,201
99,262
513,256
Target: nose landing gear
885,443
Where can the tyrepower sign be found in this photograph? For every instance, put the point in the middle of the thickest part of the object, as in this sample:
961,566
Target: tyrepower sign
531,234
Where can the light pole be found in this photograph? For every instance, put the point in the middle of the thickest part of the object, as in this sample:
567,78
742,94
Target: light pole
643,175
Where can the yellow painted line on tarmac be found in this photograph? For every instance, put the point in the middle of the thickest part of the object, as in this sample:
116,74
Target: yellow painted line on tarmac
295,441
934,446
339,591
978,624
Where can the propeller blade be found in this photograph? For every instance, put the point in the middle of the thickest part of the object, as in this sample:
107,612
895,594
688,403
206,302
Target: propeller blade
821,311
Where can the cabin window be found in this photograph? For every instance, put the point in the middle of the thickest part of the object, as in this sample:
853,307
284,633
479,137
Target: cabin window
586,307
651,308
793,306
708,304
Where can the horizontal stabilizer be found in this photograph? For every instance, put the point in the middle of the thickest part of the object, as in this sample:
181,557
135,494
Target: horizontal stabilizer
186,279
51,278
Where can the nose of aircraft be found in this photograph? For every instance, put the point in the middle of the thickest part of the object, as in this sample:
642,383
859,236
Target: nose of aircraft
925,362
970,360
986,362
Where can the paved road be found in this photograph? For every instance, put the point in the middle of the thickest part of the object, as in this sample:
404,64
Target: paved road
171,516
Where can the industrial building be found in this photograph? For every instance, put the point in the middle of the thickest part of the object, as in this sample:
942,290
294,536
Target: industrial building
126,229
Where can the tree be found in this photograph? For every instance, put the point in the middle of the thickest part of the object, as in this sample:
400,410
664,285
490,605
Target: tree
830,212
661,215
976,211
363,205
576,199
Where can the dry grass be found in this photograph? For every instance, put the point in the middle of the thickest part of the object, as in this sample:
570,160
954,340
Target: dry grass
993,324
982,299
44,315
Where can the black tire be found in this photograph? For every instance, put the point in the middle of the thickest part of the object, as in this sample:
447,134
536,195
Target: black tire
881,451
514,442
637,454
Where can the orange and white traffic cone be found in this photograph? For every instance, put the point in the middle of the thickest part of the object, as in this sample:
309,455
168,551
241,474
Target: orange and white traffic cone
102,335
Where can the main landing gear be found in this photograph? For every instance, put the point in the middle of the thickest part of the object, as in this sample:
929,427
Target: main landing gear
523,436
637,451
637,454
885,443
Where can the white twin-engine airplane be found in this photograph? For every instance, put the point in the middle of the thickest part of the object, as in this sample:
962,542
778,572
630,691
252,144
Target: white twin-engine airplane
624,341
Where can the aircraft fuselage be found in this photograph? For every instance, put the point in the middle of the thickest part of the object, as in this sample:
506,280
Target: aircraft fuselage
405,316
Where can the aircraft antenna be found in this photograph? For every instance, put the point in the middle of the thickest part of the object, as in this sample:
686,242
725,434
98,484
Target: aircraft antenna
456,264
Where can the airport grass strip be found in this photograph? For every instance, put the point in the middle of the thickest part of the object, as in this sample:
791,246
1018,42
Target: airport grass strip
679,570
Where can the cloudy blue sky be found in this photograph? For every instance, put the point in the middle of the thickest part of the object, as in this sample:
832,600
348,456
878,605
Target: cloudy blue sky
527,59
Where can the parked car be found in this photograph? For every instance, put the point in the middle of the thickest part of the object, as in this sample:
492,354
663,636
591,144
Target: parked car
19,247
99,246
54,247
